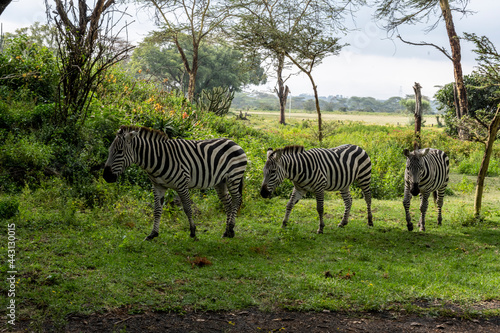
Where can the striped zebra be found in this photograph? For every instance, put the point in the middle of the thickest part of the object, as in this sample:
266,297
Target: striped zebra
180,165
318,170
426,172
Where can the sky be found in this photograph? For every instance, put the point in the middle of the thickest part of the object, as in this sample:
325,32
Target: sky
373,65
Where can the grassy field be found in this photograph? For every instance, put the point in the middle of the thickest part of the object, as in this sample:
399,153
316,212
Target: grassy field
73,259
364,117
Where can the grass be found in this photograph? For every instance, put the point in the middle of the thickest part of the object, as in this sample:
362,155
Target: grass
94,261
73,259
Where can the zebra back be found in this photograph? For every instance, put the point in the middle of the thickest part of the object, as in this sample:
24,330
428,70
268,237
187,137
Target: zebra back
332,168
196,163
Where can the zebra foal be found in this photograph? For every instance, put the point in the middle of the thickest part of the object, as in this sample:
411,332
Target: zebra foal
318,170
427,171
180,165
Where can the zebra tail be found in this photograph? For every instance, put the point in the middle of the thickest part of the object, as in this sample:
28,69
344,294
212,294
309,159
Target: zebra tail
435,196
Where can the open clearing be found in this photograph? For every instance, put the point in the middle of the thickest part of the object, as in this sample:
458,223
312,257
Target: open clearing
367,118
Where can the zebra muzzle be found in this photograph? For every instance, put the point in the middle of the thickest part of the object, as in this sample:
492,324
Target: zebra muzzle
264,191
415,190
108,175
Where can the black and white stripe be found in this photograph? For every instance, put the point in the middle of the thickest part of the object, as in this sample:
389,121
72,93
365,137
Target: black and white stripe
427,171
318,170
181,165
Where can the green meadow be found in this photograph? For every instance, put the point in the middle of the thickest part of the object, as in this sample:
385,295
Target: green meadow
83,254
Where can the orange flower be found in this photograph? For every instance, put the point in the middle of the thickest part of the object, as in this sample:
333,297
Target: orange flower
184,115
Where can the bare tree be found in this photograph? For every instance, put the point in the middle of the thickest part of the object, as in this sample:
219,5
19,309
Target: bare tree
401,12
87,45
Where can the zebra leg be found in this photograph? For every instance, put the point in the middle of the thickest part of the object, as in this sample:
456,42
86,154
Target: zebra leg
406,204
236,190
346,196
424,203
294,198
224,197
159,194
186,206
367,194
320,195
439,203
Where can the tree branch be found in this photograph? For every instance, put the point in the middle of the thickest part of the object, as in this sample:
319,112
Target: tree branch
441,49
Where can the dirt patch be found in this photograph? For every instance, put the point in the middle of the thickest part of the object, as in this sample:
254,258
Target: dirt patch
253,320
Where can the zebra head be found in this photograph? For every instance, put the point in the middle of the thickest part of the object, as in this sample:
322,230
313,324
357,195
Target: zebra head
274,173
414,168
120,156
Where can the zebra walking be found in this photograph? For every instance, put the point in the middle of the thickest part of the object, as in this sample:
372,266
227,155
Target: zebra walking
180,165
318,170
427,171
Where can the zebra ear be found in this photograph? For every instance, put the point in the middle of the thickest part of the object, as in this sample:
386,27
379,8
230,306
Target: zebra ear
269,152
277,154
406,152
129,136
424,152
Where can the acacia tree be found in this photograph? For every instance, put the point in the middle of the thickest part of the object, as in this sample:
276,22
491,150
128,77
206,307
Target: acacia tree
197,19
485,126
263,29
301,31
401,12
3,5
86,47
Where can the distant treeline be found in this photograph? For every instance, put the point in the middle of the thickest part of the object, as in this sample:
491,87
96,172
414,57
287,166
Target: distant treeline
266,101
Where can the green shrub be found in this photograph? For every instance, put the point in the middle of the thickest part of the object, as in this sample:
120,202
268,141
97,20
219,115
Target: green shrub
9,207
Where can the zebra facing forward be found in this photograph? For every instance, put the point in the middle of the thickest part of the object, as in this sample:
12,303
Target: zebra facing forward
180,165
318,170
426,172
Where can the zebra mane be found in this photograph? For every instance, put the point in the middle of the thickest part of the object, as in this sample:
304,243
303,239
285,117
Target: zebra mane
295,149
142,130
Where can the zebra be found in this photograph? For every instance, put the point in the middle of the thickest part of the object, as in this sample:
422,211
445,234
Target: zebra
318,170
180,165
427,171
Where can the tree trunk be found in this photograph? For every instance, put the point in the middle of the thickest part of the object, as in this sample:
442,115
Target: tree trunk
418,116
492,134
3,5
192,73
318,110
462,107
281,91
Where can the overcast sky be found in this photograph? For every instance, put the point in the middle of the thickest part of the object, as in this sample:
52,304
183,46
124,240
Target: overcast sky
372,65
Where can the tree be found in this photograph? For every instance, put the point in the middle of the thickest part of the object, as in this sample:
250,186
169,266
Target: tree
483,122
262,29
219,65
3,5
197,19
400,12
301,31
86,48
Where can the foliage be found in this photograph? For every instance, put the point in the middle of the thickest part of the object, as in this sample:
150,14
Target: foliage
219,65
28,70
482,101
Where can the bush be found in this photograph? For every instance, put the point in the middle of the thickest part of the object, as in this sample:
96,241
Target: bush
9,207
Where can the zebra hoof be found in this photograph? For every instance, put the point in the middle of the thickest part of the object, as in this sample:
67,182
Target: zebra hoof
319,231
340,225
410,227
152,235
228,234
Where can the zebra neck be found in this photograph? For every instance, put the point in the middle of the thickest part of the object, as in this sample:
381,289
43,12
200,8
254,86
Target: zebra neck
291,166
151,150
